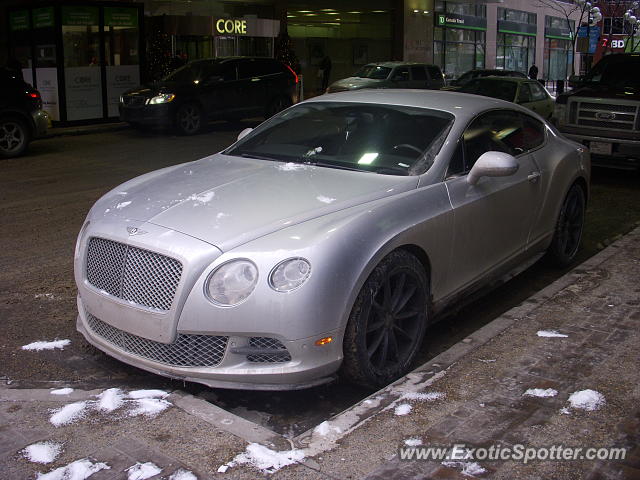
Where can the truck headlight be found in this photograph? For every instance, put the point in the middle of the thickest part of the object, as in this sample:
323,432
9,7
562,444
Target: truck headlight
289,274
162,98
232,282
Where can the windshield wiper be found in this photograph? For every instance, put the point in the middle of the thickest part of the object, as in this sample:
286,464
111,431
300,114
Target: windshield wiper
260,156
319,163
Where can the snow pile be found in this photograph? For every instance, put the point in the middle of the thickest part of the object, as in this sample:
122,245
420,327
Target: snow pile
587,400
182,474
120,206
325,428
423,397
110,399
403,409
61,391
201,198
413,442
78,470
287,167
139,402
69,413
265,459
324,199
470,469
43,345
142,471
43,452
539,392
551,333
48,296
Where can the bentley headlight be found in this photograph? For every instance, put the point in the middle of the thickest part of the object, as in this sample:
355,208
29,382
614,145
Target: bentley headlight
162,98
232,282
289,274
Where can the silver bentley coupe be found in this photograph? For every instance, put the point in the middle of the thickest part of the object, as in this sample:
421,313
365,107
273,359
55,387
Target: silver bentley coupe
327,239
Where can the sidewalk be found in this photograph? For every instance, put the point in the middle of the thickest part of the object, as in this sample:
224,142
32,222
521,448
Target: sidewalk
472,394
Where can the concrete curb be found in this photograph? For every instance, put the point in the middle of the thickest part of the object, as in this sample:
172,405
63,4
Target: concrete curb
84,129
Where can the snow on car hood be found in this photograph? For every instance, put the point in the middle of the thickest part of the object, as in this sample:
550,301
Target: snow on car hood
227,201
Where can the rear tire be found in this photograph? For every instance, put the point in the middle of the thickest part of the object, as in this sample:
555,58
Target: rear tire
14,137
189,119
387,322
568,233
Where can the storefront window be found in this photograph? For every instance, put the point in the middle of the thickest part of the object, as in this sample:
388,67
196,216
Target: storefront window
44,34
558,48
516,39
122,57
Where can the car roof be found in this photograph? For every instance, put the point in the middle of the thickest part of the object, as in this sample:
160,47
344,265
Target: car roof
461,105
495,78
396,64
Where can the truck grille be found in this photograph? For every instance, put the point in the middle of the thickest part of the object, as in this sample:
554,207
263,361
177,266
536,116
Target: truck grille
133,274
186,351
603,115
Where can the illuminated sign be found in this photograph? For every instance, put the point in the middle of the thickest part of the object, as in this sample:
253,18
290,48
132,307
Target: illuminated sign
227,26
612,43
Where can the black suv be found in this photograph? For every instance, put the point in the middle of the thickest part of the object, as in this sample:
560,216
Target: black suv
21,117
223,88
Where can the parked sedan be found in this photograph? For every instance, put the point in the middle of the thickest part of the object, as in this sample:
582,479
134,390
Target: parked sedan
528,93
221,88
391,75
466,77
327,239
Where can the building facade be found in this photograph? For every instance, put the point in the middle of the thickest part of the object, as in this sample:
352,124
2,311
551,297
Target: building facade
82,55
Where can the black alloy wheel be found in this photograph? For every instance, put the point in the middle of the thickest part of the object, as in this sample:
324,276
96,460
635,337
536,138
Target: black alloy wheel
189,119
388,321
568,232
14,137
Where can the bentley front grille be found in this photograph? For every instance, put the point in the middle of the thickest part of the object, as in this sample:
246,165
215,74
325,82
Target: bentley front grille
185,351
133,274
268,350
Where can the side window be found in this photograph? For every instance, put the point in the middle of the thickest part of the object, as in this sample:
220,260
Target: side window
418,73
496,131
434,72
248,69
537,92
524,95
534,132
226,71
401,74
456,165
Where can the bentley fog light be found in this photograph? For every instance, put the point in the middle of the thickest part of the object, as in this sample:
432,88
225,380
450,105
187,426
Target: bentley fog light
232,282
163,98
289,274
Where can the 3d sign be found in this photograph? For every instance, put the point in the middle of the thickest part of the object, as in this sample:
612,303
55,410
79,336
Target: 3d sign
231,27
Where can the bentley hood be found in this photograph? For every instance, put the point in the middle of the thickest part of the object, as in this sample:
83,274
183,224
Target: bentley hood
227,201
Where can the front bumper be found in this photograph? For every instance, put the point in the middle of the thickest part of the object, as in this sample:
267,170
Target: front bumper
152,116
41,121
308,365
625,153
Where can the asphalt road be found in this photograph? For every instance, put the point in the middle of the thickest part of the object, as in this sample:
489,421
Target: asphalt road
44,198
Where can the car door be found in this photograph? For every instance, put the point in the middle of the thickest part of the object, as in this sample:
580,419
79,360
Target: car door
400,78
494,217
253,88
418,77
544,103
217,86
526,99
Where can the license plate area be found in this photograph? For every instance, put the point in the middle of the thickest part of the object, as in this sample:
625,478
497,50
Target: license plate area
600,148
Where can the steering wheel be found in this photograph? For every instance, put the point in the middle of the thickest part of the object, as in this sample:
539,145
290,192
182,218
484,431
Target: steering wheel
406,145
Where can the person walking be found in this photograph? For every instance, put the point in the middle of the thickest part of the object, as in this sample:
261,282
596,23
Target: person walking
533,72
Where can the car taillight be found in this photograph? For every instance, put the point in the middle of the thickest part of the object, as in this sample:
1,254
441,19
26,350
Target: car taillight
34,94
295,75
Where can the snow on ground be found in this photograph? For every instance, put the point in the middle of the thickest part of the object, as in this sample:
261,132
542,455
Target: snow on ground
469,469
142,471
61,391
423,397
403,409
147,394
540,392
110,400
182,474
48,296
68,413
587,400
413,442
149,407
265,459
42,452
78,470
44,345
551,333
326,428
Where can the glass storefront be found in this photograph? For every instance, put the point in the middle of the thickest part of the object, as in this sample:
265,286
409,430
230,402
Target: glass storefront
459,37
84,56
516,40
558,48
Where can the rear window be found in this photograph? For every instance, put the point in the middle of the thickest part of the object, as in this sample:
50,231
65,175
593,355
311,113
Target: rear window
503,90
373,71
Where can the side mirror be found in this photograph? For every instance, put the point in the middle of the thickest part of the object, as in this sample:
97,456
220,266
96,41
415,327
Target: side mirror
576,81
492,164
244,133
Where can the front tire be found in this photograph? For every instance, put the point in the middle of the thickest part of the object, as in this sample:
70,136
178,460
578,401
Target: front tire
189,119
14,137
387,322
568,233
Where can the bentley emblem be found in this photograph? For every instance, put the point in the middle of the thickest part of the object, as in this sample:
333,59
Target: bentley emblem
135,231
605,116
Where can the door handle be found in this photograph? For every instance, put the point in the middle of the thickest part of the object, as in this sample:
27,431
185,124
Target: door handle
533,177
